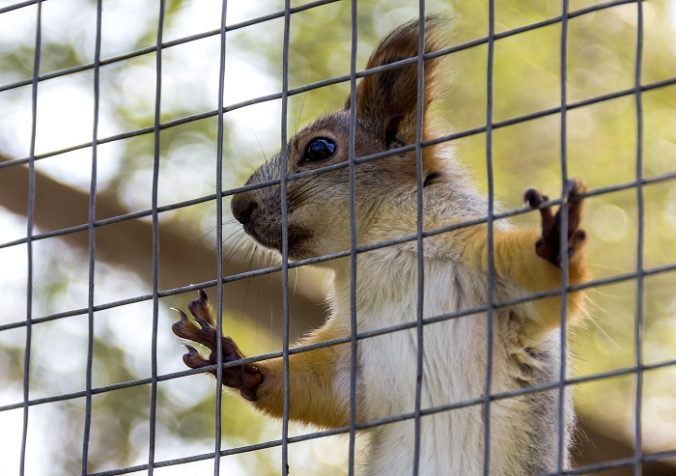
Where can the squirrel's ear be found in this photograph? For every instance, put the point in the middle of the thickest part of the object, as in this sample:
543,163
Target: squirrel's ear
387,101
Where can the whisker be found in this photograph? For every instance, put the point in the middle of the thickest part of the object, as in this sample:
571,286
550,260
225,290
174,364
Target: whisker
253,247
300,114
235,247
590,318
248,280
260,146
295,282
233,234
212,229
272,309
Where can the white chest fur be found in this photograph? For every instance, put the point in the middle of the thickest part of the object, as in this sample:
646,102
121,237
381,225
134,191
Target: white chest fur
454,370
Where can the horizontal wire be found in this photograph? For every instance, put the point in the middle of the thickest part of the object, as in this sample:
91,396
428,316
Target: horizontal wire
443,317
425,412
300,8
360,74
324,169
587,469
375,333
307,6
617,463
294,439
339,254
17,6
163,45
341,165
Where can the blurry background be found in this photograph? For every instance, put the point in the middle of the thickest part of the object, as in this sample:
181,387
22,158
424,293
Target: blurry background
601,148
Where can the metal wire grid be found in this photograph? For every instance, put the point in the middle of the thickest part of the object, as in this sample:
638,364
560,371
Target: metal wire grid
353,241
420,101
92,258
560,446
636,460
29,240
490,292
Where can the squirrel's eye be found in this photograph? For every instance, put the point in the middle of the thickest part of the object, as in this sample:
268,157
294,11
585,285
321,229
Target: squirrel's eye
319,149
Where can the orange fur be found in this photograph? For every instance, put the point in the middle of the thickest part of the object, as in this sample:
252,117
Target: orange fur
312,398
515,260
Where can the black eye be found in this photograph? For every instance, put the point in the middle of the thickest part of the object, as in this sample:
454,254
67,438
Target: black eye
319,149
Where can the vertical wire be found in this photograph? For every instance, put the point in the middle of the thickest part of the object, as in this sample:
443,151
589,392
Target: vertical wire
219,246
638,331
92,244
490,299
420,255
563,246
156,238
353,240
29,239
285,238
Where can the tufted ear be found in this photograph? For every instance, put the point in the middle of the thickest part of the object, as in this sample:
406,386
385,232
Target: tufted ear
387,101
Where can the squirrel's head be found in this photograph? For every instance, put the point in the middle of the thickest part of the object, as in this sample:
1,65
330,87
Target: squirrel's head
318,205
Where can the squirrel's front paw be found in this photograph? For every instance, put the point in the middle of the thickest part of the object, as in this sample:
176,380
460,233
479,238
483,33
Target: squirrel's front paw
549,244
244,377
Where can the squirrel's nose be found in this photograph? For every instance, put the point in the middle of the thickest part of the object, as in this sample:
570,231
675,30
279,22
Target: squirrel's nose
242,208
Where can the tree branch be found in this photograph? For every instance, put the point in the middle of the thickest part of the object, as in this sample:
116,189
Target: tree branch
184,257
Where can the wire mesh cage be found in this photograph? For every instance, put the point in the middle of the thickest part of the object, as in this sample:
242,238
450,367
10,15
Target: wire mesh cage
161,108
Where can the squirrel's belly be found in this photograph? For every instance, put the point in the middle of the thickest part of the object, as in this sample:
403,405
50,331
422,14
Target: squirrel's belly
452,351
454,362
454,368
453,372
450,441
448,446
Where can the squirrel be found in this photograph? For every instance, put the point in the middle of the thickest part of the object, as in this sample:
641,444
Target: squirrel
526,341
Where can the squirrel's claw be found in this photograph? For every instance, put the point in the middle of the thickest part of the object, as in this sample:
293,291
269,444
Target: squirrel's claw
548,246
184,328
244,377
193,359
202,310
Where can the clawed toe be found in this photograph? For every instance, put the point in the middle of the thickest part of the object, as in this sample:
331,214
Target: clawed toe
534,198
184,328
193,359
202,310
574,190
548,246
200,329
